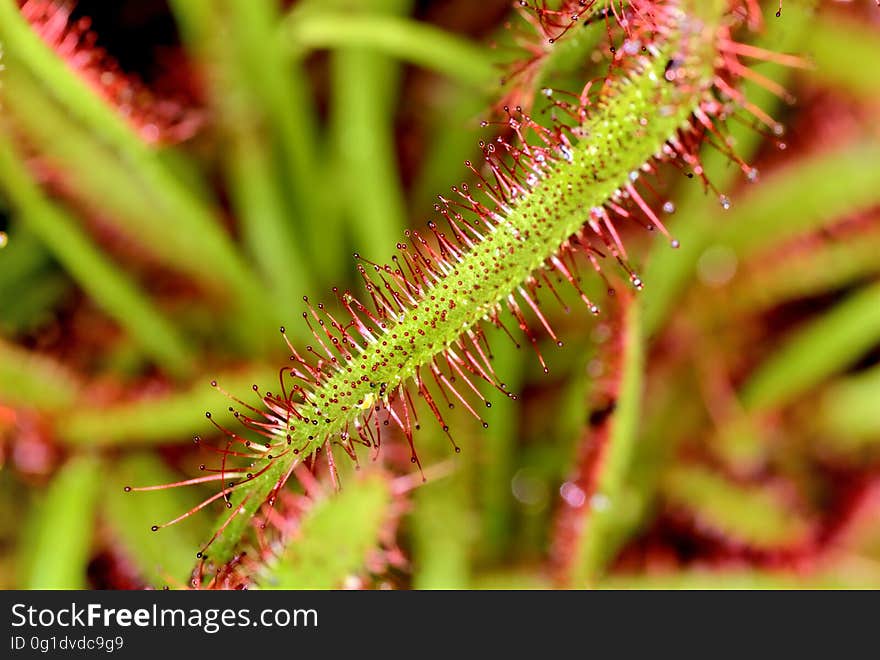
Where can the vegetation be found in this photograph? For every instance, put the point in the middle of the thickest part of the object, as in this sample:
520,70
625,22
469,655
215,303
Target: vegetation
634,345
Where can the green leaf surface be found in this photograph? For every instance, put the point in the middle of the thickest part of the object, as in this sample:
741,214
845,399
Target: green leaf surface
334,539
755,516
821,348
102,279
848,414
802,197
607,512
60,538
840,47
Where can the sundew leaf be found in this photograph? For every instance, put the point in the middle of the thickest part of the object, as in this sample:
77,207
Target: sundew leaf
177,200
825,264
751,515
102,279
608,511
56,547
822,347
551,187
804,196
107,184
334,539
668,274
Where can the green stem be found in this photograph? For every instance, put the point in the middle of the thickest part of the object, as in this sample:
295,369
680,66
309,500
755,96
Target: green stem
611,508
535,227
